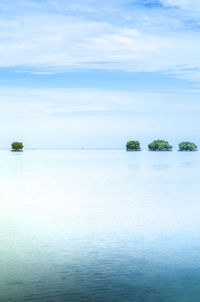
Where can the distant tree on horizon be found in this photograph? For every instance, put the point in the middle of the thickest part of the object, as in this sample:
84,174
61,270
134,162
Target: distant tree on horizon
187,146
17,146
160,145
133,146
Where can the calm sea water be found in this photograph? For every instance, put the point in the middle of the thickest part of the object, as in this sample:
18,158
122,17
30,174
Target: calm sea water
99,226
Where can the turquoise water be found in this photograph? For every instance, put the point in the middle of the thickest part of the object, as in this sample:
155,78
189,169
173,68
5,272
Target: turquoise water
99,226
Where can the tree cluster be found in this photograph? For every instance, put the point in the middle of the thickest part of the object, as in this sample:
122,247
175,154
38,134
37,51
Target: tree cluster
17,146
160,145
187,146
133,146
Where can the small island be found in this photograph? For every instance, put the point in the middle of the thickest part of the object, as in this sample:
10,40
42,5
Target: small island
17,146
159,145
187,146
133,146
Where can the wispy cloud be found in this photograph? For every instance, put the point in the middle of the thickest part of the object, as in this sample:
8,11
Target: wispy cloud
75,102
183,4
95,118
116,35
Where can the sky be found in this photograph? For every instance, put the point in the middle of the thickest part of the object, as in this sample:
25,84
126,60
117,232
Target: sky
94,74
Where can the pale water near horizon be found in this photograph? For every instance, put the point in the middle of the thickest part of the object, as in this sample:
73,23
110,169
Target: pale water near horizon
99,225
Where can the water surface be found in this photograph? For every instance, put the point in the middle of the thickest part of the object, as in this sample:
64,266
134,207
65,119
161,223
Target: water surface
99,225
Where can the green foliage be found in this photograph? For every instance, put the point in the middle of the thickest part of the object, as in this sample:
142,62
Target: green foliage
17,146
133,146
187,146
159,145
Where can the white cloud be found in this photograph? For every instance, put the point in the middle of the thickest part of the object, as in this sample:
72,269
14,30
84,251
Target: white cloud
68,36
61,42
183,4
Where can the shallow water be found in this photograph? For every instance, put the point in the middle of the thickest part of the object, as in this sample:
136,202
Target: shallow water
95,225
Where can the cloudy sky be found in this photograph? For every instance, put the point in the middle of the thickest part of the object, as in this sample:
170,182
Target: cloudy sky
90,73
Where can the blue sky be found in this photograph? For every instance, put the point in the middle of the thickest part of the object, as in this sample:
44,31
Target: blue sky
88,73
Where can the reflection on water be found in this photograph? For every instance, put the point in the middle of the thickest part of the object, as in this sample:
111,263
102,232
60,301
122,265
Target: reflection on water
99,226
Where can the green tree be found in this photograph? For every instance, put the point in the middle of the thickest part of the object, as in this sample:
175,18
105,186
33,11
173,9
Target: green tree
17,146
133,146
159,145
187,146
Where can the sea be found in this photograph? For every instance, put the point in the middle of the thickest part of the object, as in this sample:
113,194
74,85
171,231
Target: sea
99,225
